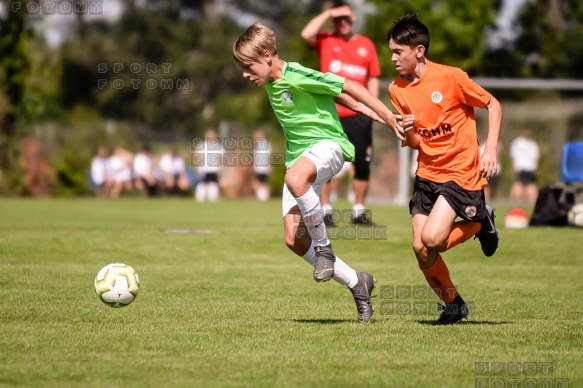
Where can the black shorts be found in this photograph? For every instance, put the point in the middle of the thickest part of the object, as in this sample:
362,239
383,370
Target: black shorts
526,177
261,178
468,205
211,177
358,128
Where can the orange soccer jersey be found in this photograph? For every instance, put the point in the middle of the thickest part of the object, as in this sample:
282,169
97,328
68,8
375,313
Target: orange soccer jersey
443,102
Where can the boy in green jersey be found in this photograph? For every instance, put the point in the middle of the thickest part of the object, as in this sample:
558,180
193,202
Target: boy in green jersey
316,149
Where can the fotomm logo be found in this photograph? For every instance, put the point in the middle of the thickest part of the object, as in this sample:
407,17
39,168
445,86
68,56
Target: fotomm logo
61,7
133,74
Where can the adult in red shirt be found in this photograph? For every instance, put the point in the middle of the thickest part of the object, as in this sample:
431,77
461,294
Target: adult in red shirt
353,57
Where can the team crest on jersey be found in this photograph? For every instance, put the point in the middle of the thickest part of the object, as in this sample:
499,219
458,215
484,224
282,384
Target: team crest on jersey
436,97
470,211
287,96
362,52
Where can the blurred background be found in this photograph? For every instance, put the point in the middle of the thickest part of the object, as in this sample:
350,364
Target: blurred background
77,75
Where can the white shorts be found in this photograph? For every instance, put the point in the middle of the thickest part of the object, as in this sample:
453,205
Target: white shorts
328,158
345,168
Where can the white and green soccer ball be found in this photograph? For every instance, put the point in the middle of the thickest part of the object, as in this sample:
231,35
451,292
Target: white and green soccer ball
117,285
575,215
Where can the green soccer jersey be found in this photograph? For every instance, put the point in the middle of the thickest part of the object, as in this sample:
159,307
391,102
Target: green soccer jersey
303,102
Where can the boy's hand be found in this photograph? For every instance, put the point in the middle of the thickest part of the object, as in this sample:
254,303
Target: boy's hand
488,163
408,123
394,122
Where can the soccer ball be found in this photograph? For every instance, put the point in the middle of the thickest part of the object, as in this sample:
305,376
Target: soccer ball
575,215
117,285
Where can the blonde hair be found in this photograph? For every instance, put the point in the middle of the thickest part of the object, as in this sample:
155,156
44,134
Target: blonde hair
253,43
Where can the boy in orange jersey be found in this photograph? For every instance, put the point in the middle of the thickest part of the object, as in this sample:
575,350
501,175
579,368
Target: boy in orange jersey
437,105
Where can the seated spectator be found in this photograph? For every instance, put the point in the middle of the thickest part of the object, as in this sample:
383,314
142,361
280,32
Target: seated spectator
261,165
120,172
209,167
145,180
173,170
98,177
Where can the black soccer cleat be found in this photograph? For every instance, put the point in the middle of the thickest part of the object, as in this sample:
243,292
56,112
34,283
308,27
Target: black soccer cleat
488,235
362,219
324,263
362,296
452,312
329,220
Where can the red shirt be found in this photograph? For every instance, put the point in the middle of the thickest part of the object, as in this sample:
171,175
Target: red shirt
355,59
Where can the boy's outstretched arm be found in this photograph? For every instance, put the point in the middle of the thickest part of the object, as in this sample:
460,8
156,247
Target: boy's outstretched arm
360,93
488,162
349,102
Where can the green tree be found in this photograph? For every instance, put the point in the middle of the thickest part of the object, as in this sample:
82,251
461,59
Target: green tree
14,68
549,42
457,29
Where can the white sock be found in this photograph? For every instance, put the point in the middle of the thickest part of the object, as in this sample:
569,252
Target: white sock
343,274
313,216
262,194
213,191
327,209
357,209
310,255
200,192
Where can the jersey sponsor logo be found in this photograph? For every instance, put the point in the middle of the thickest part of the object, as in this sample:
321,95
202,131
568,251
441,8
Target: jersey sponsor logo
345,69
443,129
287,96
436,97
470,211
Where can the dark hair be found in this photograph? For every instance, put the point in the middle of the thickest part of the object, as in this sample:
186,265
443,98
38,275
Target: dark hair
408,30
339,3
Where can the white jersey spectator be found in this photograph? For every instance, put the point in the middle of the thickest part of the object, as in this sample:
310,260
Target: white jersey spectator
525,154
99,167
144,175
261,164
173,171
119,172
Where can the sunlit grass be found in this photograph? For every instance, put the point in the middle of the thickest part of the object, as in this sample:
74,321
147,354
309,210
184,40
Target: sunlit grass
239,309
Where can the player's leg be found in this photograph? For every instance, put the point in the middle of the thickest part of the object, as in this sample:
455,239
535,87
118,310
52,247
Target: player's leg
212,186
298,240
183,182
200,192
299,180
432,219
359,131
326,202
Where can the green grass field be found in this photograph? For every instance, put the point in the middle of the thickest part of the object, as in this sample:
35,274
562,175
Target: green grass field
239,309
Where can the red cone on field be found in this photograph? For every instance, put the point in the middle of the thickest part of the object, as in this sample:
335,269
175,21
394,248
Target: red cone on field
516,218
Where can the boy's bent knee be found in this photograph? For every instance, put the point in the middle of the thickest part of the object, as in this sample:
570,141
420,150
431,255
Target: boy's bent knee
433,243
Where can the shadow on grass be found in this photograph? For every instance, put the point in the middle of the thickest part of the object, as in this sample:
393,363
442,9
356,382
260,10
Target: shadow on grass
324,321
429,323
